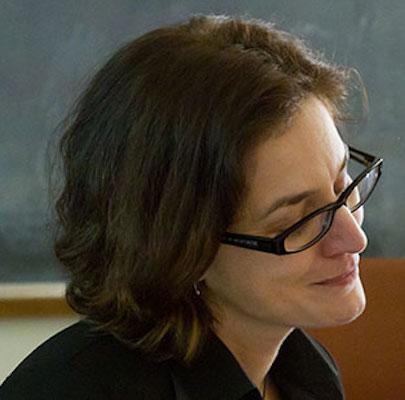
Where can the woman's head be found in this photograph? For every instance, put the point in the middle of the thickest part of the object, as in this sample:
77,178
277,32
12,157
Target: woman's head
254,290
156,160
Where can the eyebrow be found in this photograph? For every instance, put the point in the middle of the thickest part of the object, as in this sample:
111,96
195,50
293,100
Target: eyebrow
296,198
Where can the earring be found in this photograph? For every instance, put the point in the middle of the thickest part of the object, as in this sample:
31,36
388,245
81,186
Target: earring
196,289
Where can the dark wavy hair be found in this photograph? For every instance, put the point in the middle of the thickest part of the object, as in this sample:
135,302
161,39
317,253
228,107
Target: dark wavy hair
153,156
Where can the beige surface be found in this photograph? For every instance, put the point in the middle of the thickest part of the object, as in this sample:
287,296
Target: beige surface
19,336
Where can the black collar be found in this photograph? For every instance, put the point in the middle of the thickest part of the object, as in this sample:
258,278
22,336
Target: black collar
302,370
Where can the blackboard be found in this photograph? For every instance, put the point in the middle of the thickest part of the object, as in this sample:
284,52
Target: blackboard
49,49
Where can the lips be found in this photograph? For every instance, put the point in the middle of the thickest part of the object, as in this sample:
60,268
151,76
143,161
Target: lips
338,278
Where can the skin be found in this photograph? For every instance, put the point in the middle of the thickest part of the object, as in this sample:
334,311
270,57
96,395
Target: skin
259,298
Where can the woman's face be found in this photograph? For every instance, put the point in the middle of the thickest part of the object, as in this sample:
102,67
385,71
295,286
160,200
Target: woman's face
285,291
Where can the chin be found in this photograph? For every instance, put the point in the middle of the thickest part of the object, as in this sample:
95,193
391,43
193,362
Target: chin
350,308
341,309
347,319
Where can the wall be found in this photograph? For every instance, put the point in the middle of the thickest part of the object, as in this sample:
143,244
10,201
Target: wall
19,336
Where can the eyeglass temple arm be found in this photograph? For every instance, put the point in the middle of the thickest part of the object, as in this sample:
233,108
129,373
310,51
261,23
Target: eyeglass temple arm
355,153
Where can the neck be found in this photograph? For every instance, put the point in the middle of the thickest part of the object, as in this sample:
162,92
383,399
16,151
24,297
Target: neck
254,347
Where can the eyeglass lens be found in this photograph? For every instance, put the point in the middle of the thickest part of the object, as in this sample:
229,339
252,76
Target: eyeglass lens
310,231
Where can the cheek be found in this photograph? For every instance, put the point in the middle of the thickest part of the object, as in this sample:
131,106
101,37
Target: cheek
234,272
253,282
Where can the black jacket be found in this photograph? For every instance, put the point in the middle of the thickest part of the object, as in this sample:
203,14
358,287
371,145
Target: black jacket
82,365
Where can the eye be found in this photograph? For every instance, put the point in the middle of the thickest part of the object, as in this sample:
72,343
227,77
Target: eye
339,190
343,184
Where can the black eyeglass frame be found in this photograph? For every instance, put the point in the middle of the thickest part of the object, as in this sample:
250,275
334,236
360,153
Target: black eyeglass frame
276,245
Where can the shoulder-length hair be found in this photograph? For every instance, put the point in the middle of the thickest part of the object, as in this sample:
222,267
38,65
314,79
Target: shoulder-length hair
153,161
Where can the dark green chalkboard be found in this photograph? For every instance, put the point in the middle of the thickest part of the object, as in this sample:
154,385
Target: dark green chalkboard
49,49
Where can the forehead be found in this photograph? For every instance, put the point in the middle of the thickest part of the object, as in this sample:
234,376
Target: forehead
307,155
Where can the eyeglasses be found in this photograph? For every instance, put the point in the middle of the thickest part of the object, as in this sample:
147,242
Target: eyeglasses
313,227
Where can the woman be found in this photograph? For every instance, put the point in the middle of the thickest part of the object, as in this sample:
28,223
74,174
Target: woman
207,216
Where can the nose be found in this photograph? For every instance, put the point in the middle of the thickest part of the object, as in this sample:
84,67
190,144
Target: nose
345,234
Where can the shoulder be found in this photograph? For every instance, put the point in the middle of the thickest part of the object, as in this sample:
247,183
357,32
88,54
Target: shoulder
304,364
321,350
80,363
